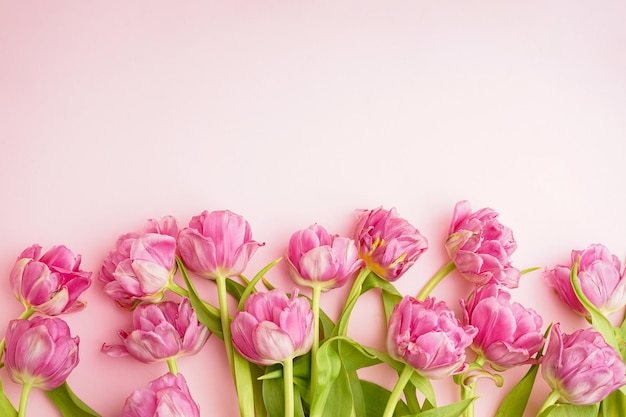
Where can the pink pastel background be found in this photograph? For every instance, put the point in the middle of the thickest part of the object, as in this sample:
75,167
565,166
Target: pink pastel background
291,113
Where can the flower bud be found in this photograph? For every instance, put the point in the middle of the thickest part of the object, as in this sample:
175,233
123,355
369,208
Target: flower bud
161,331
318,258
481,247
40,352
427,336
50,283
273,327
217,244
389,244
601,279
581,366
508,334
167,396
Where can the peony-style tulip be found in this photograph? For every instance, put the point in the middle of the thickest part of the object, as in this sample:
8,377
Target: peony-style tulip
481,247
318,258
427,336
50,283
40,352
601,278
508,333
161,331
140,268
217,244
167,396
389,244
581,366
273,327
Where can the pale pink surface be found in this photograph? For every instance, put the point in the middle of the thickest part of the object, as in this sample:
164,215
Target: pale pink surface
293,114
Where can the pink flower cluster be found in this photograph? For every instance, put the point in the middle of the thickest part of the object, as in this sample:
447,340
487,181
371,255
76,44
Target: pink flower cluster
151,275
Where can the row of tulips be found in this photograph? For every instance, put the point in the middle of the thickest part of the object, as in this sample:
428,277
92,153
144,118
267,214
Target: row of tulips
293,359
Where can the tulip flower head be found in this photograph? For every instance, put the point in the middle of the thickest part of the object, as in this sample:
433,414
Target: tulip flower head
217,244
389,244
166,226
139,269
167,396
40,352
161,331
601,277
273,328
50,283
318,258
508,333
427,336
481,247
581,366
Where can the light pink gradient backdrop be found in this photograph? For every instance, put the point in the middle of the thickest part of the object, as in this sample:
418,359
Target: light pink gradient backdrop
289,114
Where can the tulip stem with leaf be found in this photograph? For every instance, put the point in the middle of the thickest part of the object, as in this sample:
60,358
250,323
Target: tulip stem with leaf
435,280
353,295
403,379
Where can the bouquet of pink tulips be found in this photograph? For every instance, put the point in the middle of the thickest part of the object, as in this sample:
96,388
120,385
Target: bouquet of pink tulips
288,357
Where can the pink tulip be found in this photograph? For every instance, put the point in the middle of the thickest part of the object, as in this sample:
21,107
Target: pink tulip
166,226
50,283
40,352
581,366
140,268
318,258
273,328
601,277
167,396
217,244
508,334
481,246
427,336
161,331
389,244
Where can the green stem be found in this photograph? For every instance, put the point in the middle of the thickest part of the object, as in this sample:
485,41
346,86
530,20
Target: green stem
552,398
404,377
434,280
24,316
24,399
288,380
171,365
342,325
225,320
177,289
468,391
315,306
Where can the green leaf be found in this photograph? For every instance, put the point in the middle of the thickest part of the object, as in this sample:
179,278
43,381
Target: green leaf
250,286
614,405
598,320
243,382
450,410
516,400
333,396
376,398
390,295
6,408
206,313
570,410
274,396
68,403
